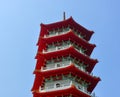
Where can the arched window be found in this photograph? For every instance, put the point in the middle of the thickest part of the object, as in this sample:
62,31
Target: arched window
57,85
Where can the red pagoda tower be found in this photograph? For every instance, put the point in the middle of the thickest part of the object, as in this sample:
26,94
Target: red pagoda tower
64,67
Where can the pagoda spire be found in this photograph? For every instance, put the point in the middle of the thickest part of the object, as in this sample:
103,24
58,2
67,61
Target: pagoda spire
64,17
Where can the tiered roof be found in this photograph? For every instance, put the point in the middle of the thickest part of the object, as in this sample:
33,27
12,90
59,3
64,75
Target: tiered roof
70,51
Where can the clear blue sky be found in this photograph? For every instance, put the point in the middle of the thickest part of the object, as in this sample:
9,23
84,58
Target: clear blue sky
19,30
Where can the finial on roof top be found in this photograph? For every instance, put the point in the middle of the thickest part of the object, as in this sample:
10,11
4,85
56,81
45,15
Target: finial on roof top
64,17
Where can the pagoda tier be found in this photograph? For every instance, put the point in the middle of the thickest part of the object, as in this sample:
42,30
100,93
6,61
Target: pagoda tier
69,36
93,80
67,83
74,82
45,28
71,51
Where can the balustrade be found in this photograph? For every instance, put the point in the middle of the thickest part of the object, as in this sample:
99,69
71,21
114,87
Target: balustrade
63,84
64,45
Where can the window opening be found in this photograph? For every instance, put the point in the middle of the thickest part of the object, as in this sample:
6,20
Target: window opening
79,87
59,48
58,64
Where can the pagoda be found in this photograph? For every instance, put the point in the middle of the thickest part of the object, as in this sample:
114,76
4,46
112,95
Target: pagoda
64,66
